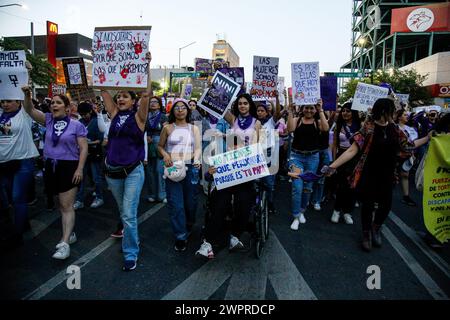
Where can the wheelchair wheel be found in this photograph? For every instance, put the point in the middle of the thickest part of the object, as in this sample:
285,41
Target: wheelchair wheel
261,225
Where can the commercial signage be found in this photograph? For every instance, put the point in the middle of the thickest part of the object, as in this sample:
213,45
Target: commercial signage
434,17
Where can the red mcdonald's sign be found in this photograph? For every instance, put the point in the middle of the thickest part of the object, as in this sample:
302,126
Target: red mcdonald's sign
433,17
52,33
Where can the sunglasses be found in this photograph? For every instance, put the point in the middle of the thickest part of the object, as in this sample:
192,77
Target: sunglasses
154,101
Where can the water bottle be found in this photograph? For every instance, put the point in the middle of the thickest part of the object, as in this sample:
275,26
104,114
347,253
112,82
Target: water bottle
194,177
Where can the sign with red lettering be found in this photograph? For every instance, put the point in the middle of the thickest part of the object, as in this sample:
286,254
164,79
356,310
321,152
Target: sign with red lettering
119,57
434,17
265,77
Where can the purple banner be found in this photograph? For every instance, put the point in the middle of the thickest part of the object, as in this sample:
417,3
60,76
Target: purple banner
328,92
204,66
237,74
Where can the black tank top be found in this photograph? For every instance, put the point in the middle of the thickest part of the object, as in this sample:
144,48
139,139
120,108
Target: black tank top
306,137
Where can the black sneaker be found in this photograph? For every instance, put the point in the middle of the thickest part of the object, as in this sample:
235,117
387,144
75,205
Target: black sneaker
180,245
129,265
410,202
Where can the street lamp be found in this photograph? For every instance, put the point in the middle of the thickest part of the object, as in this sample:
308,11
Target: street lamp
14,4
179,53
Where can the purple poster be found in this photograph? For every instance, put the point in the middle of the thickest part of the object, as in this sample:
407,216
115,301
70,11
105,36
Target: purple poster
204,66
328,91
237,74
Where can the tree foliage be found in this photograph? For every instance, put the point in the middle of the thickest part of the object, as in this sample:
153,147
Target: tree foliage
43,72
402,81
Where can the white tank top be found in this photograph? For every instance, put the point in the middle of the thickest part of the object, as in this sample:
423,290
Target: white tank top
245,136
181,141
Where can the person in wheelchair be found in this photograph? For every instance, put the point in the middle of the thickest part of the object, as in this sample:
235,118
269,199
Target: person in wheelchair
244,127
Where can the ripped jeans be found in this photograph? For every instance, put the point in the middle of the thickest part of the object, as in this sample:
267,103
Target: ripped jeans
301,191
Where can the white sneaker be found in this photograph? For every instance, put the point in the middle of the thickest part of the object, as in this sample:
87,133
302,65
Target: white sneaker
78,205
335,216
348,218
94,194
63,252
97,203
72,240
235,243
205,250
150,199
317,207
295,223
302,218
164,201
356,204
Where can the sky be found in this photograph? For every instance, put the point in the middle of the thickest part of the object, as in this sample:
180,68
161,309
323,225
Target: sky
293,30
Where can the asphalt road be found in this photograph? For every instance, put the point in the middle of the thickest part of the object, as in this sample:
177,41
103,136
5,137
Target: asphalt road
320,261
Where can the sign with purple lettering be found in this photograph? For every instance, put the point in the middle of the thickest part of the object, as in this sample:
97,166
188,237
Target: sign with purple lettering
119,57
328,91
219,97
13,75
75,73
305,83
237,74
366,95
265,77
204,66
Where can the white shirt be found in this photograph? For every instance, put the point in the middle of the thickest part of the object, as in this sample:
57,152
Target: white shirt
410,132
16,139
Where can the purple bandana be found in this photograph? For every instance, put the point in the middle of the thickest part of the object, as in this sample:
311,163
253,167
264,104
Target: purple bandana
153,119
212,119
59,127
244,122
6,116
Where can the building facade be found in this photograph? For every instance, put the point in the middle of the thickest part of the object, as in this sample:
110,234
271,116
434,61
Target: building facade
223,50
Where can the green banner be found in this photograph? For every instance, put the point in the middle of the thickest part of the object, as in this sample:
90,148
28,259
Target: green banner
436,188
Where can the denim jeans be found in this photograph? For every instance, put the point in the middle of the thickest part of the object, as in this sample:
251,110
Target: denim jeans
301,191
17,185
269,185
96,176
155,183
127,193
182,204
319,186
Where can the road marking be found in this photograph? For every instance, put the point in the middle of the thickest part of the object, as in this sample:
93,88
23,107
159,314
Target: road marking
248,276
433,256
59,278
415,267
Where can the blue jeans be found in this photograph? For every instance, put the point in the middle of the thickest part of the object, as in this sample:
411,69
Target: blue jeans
96,176
17,185
319,186
127,193
182,204
269,185
301,191
155,169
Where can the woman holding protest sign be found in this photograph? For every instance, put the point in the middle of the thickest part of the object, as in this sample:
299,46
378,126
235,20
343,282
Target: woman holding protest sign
304,155
380,143
347,124
244,131
65,153
124,161
17,153
180,145
157,119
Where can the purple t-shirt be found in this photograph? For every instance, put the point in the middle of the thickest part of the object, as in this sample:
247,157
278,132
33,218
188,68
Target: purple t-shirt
67,147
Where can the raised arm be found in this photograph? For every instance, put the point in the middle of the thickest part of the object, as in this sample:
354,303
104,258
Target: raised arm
323,124
142,113
110,105
36,115
276,115
229,117
292,121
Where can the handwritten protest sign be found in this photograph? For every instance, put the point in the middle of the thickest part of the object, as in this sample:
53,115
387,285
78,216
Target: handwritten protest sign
305,82
239,166
58,89
265,77
219,97
366,95
13,75
280,88
237,74
204,66
119,57
75,73
404,98
436,186
187,91
328,91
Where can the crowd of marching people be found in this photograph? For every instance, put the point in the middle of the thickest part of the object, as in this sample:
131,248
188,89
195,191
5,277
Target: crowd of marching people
124,141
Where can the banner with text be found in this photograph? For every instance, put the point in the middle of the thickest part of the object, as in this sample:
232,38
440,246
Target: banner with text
436,188
119,57
305,83
219,97
239,166
187,91
328,92
265,77
237,74
204,66
13,75
366,95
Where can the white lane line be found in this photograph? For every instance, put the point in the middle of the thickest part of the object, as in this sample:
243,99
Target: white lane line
433,256
415,267
249,276
51,284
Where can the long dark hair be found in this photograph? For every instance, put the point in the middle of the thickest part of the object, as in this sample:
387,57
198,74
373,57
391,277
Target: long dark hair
172,117
235,107
340,122
161,108
383,107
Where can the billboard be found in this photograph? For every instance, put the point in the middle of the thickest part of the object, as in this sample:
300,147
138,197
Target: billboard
434,17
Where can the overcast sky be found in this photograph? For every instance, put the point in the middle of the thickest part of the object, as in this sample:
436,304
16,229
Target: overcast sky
294,31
